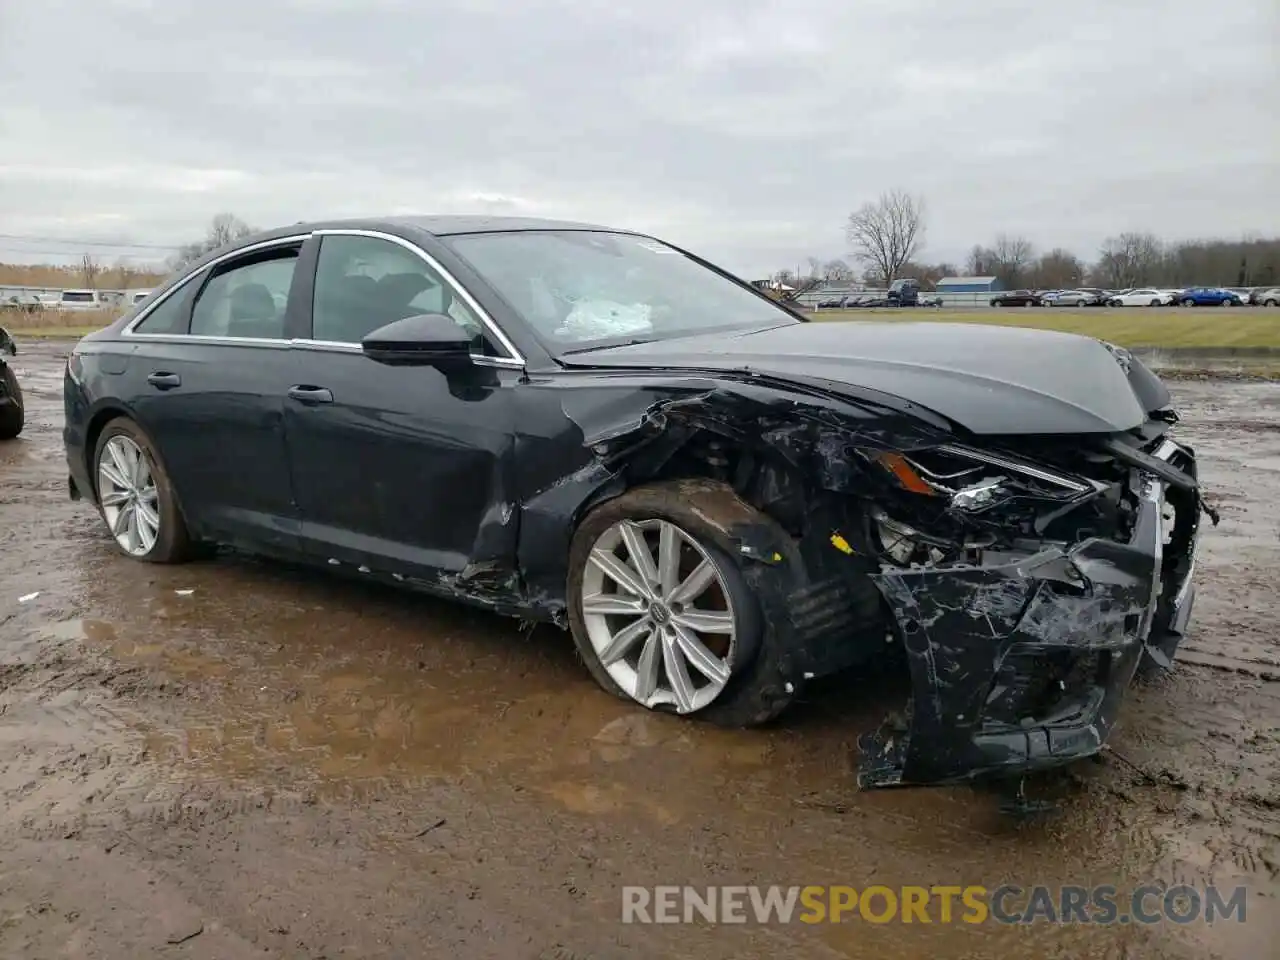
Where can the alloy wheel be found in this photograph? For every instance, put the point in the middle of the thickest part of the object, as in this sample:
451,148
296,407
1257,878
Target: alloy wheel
659,615
127,492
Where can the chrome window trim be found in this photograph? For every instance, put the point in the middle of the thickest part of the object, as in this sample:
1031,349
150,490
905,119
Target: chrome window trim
515,358
128,331
341,346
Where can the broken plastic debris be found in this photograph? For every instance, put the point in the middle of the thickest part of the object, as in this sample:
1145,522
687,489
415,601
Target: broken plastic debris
334,562
185,593
789,687
29,596
841,544
808,675
364,569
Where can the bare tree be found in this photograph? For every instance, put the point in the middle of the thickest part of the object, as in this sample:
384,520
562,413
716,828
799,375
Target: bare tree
981,261
223,229
90,269
887,233
837,271
1129,260
1011,256
1056,270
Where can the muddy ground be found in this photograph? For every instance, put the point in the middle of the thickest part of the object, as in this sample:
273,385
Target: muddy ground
233,759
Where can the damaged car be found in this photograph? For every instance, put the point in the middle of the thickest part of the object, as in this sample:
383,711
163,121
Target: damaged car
718,497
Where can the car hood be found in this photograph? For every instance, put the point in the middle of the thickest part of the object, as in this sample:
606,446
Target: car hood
987,379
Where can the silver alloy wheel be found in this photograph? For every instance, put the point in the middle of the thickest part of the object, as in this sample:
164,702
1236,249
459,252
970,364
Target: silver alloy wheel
127,492
655,604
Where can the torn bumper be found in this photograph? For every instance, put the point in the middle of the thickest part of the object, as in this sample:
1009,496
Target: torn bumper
1022,665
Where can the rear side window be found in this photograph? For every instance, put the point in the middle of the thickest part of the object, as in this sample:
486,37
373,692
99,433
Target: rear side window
168,316
248,299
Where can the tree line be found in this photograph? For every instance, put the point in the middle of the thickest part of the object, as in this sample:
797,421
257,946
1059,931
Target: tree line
886,237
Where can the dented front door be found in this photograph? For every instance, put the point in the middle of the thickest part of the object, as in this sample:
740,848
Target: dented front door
401,469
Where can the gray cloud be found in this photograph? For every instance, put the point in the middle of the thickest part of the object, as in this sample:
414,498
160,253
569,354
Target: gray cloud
744,129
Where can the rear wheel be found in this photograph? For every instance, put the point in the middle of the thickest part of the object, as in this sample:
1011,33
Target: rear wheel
1188,302
13,413
1270,303
135,497
661,612
1082,303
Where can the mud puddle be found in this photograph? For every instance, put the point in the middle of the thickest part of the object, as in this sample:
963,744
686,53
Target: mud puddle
306,766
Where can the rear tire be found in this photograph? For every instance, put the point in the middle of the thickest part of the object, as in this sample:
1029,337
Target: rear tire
1270,303
754,691
1188,302
12,415
170,542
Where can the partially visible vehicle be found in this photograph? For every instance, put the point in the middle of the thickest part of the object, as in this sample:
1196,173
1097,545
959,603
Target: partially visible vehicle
11,407
1209,297
1142,297
77,300
1079,298
905,292
1265,297
1017,298
134,297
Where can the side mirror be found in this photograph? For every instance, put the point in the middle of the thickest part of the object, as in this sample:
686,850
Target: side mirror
6,343
425,340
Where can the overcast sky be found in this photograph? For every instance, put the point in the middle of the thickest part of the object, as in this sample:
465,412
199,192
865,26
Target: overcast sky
746,130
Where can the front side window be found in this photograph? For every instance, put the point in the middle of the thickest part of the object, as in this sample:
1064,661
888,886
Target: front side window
247,299
363,283
579,289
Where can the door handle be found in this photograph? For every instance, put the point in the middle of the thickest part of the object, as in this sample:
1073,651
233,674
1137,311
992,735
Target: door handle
164,381
311,395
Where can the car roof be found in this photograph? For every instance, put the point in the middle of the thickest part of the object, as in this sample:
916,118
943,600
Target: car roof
439,226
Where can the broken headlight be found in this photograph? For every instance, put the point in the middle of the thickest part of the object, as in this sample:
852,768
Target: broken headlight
971,481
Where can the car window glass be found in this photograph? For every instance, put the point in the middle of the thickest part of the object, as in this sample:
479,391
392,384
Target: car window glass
246,301
577,288
168,316
363,283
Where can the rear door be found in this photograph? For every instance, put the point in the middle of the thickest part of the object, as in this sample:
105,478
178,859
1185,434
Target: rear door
404,470
208,378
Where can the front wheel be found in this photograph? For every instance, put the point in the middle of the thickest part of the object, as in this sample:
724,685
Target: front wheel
12,409
1228,303
135,497
1270,303
1154,303
1082,303
661,612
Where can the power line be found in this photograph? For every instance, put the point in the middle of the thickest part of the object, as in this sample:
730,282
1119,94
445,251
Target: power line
90,243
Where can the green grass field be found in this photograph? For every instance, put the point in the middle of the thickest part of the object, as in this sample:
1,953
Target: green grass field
1127,326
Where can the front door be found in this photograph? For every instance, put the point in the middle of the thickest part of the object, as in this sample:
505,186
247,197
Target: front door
401,470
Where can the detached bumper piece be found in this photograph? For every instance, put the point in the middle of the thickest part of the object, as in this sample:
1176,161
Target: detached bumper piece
1022,666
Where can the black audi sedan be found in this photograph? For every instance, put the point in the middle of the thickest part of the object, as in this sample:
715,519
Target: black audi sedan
719,498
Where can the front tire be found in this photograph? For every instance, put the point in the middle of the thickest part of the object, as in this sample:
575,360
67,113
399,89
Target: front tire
661,612
135,496
12,415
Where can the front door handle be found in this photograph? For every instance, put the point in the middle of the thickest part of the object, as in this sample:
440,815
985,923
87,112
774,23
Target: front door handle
164,381
307,394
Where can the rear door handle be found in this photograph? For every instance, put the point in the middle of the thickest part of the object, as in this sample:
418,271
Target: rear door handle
305,394
164,381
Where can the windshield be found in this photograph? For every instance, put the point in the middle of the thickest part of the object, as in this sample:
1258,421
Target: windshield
583,289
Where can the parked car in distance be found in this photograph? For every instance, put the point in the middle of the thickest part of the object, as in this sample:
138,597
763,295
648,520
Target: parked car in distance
1209,297
718,498
1017,298
1265,297
1142,297
1078,298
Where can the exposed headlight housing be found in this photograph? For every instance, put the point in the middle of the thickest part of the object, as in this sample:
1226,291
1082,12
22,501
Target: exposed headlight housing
974,481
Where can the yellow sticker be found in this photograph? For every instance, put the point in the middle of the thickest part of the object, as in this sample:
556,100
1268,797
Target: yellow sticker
841,544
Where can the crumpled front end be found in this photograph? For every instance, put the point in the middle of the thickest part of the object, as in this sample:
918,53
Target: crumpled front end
1019,661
